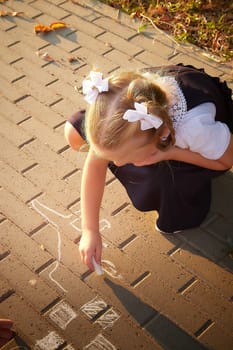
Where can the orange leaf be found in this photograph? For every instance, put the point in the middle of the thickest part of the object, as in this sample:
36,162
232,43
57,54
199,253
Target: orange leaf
41,28
57,25
4,13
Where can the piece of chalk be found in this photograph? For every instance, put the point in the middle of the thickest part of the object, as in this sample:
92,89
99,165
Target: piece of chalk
97,267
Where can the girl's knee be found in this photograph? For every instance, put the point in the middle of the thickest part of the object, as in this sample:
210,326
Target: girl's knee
72,136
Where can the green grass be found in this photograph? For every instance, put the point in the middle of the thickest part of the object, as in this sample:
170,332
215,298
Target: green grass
205,23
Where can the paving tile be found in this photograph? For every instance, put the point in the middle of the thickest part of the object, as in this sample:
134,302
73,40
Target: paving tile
19,213
30,286
119,43
206,243
33,328
36,257
10,73
42,132
130,63
45,6
14,133
67,283
212,273
83,12
29,11
17,344
222,196
216,338
5,290
151,60
60,247
60,188
173,305
14,92
218,308
115,27
36,109
79,22
177,276
15,183
11,112
170,336
68,320
150,43
124,335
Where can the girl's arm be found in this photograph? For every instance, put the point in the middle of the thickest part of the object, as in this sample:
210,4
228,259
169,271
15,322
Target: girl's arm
185,155
92,188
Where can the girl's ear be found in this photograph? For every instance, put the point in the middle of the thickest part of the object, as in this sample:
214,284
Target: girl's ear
165,133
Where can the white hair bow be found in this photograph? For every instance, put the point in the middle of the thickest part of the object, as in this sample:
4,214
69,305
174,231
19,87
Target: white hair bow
93,86
147,121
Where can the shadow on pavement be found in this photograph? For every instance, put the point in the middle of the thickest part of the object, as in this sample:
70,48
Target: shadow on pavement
164,331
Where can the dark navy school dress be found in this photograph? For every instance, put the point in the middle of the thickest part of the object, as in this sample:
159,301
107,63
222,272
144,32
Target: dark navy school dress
178,191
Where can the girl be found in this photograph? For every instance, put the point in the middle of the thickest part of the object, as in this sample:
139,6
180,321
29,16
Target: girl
164,133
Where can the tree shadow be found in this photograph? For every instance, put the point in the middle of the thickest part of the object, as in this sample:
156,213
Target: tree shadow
165,332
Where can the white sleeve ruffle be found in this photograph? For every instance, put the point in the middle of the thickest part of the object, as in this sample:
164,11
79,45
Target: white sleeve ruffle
200,133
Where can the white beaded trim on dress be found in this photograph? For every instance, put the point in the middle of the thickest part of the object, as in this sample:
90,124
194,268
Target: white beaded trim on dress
177,106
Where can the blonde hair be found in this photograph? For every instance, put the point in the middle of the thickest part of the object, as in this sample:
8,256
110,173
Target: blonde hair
105,125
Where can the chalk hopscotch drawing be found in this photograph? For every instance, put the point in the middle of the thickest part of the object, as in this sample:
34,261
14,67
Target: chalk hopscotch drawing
57,220
100,343
51,341
108,319
62,314
93,307
97,305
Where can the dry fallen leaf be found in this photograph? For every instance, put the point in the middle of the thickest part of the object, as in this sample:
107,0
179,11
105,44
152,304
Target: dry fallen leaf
72,59
45,56
57,25
12,14
41,28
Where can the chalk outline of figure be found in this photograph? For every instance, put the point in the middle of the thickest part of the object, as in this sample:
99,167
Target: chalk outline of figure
35,204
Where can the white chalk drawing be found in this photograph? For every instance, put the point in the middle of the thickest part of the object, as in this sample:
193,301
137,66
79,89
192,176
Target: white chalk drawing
104,224
110,269
100,343
62,314
56,219
97,305
108,319
93,307
50,342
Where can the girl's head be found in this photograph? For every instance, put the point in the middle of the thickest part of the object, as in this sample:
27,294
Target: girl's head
110,134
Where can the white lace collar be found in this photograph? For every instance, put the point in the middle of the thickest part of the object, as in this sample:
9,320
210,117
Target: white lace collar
177,105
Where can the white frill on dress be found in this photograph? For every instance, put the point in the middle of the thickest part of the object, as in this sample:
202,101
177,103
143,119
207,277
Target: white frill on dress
195,129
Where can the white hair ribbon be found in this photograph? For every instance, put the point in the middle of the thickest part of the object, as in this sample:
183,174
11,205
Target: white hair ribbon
93,86
147,121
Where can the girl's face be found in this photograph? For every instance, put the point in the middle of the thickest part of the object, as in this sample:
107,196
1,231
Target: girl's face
132,152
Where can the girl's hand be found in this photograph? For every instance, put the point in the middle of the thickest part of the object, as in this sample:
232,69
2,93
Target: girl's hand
90,245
